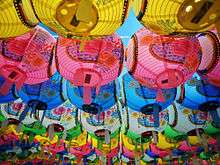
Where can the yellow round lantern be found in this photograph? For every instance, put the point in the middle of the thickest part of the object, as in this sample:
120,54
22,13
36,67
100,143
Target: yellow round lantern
178,16
82,18
16,18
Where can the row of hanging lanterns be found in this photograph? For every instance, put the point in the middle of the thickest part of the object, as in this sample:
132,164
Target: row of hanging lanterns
62,97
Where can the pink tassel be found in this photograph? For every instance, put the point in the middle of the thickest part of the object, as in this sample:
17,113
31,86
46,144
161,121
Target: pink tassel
160,97
6,87
87,95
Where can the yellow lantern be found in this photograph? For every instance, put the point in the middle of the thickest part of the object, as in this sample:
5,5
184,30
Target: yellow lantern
178,16
16,18
82,18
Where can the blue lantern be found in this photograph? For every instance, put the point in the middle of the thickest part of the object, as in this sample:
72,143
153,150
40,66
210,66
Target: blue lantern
104,100
43,96
11,95
142,99
199,94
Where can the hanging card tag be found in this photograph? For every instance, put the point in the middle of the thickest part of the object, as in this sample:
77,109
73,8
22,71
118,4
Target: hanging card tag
156,116
4,124
195,161
103,159
18,128
64,135
51,132
107,137
155,139
87,94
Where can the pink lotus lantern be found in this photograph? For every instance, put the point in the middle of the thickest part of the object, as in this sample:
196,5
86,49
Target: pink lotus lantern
210,63
26,59
99,62
162,62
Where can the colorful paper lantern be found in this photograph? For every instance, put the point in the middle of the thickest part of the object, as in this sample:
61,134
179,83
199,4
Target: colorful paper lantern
14,109
43,96
104,100
174,17
209,68
162,62
16,18
84,18
99,63
198,94
185,120
26,59
142,99
141,125
60,119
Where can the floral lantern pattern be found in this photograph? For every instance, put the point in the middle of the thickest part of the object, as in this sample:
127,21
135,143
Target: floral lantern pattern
104,100
142,99
26,59
13,110
205,96
43,96
99,63
185,120
60,119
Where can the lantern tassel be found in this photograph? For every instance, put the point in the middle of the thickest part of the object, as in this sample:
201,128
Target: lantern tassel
160,97
87,94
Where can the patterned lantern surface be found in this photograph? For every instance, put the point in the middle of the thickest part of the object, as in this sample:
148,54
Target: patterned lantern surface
10,96
63,117
104,130
42,96
141,125
209,67
104,100
109,120
99,63
16,18
185,120
162,62
78,18
201,95
143,99
14,109
177,16
26,59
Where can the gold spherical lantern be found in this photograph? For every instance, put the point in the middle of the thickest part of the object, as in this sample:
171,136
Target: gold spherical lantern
178,16
16,18
82,18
